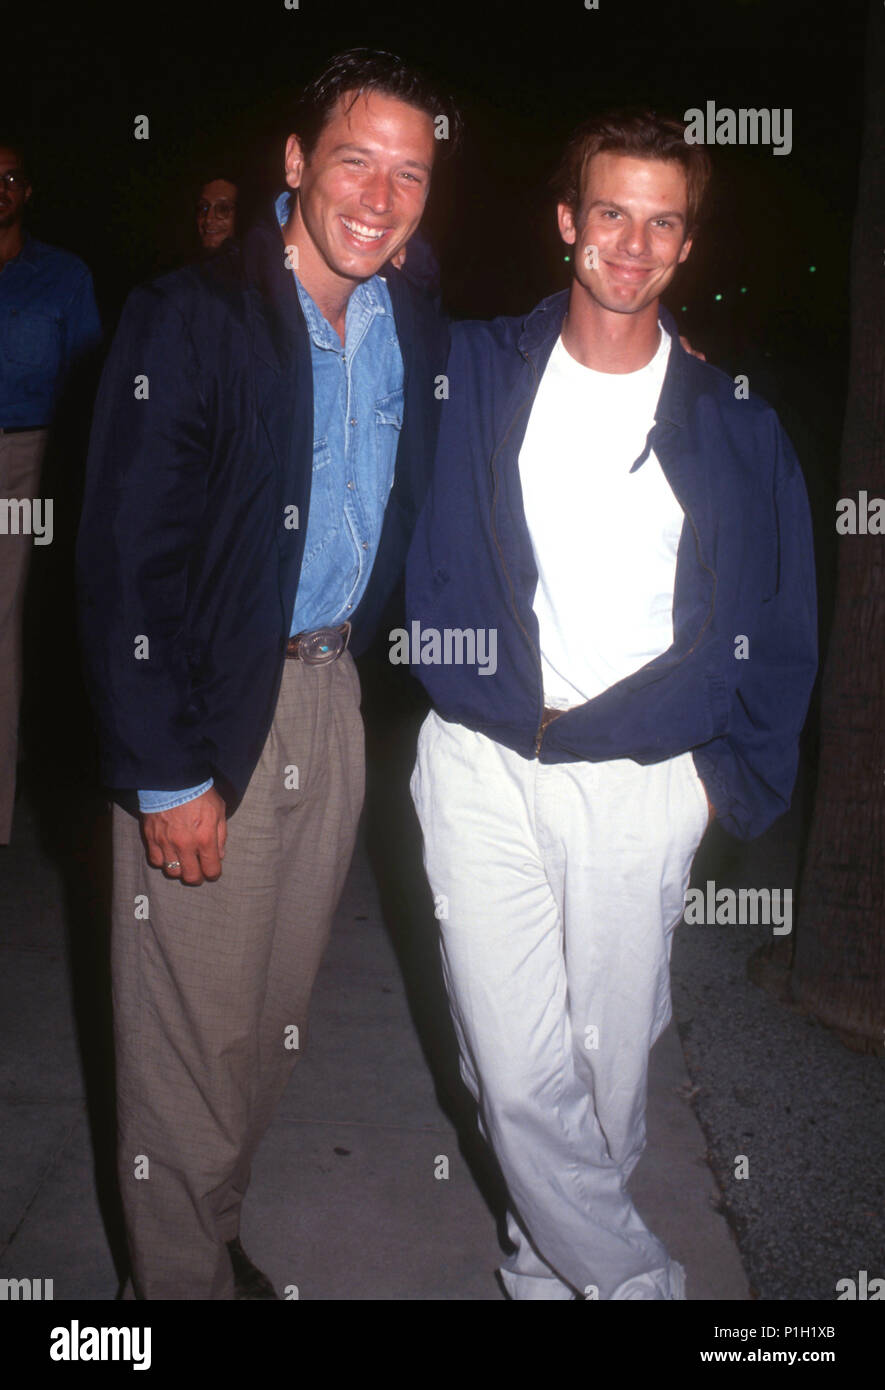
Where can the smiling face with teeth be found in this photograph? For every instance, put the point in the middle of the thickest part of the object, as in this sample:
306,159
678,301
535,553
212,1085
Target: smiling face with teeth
634,212
361,192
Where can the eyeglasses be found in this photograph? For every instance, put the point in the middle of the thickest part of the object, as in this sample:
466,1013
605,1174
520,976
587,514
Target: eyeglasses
14,178
223,208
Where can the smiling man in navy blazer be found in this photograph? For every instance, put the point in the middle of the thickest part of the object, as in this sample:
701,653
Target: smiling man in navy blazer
262,442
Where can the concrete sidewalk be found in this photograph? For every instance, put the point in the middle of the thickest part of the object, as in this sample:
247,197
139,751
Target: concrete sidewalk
347,1200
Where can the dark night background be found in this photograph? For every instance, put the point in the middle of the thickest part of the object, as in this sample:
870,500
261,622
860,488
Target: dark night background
217,82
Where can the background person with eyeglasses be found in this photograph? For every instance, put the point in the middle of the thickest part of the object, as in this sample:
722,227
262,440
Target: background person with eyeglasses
217,213
49,325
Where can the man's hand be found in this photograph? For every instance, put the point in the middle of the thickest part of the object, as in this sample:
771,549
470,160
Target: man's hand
191,837
688,348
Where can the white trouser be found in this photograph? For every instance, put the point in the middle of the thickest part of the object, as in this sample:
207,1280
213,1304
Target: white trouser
558,889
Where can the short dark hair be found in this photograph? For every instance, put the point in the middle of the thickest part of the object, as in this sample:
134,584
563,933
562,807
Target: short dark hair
200,184
218,178
638,132
360,70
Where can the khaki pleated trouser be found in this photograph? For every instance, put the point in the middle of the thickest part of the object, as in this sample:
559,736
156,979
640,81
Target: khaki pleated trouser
211,987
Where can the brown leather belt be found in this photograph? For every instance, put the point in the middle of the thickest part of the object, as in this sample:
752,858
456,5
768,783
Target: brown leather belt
319,647
549,716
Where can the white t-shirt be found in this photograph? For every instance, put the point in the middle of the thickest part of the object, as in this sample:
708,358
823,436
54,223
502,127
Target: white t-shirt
604,539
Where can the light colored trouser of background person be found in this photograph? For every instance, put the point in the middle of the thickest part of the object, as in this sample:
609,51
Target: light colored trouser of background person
21,459
206,988
562,885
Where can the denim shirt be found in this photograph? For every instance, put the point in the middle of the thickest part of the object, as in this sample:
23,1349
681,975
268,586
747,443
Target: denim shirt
357,413
48,320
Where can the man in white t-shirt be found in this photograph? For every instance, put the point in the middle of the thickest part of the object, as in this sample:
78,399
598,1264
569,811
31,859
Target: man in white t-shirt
621,532
605,505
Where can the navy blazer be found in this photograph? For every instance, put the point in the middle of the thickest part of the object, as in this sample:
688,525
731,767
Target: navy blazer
187,556
745,570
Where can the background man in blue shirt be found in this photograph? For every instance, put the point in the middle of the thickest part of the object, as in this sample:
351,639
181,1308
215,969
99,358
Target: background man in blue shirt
48,323
262,443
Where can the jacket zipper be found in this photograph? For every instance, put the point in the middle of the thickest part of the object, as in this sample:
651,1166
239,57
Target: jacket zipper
535,654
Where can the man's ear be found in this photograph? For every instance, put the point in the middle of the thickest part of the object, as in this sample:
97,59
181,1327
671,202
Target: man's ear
566,220
686,247
294,161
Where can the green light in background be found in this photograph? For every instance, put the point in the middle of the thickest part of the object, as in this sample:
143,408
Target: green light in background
684,308
812,269
717,296
743,289
566,258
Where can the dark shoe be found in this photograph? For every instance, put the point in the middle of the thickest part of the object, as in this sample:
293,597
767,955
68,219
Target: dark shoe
249,1282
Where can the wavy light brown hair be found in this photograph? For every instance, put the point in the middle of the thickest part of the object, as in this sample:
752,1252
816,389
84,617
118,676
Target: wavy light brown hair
643,134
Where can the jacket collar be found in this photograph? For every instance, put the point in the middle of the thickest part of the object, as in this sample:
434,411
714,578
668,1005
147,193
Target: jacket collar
673,400
264,257
543,326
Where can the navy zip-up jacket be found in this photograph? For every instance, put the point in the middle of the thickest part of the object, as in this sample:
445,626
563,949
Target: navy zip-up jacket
202,447
734,686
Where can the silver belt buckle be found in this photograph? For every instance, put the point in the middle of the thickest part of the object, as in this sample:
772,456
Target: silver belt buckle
324,645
